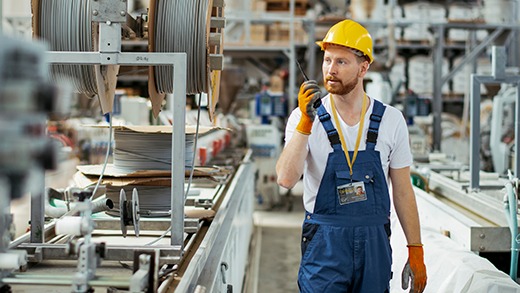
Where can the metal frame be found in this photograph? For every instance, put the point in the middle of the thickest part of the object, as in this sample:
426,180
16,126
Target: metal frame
499,32
110,54
498,76
237,202
473,232
245,16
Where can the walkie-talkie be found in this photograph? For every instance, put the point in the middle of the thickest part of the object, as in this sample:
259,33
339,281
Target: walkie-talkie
317,103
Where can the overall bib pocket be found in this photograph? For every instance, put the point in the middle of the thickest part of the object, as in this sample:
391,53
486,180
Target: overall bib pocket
356,190
308,232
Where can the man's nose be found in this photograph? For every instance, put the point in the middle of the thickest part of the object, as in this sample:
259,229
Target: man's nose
331,69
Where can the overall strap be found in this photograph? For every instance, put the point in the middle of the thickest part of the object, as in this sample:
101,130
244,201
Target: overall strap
375,120
332,133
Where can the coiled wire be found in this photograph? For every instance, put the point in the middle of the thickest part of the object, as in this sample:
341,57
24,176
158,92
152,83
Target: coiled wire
66,25
136,151
182,26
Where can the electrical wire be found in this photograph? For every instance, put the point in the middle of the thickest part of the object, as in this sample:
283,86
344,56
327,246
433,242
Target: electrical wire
105,163
194,149
191,173
67,26
136,151
181,26
109,148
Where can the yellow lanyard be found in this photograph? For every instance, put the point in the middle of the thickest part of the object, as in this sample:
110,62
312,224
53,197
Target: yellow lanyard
360,131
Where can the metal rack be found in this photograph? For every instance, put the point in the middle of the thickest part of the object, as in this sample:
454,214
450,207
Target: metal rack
246,17
206,256
499,35
499,76
110,54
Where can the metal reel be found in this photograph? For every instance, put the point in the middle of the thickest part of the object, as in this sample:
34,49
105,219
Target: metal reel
129,212
122,211
135,211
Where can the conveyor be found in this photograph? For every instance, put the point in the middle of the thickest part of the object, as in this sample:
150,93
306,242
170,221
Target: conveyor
214,255
472,201
201,242
467,216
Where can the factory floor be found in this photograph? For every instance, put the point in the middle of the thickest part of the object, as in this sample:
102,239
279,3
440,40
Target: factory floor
275,256
275,248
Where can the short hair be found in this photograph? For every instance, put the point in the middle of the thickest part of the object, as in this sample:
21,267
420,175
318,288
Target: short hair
361,56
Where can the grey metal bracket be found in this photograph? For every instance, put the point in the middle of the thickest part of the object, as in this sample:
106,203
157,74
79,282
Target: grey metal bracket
108,10
178,60
498,34
498,76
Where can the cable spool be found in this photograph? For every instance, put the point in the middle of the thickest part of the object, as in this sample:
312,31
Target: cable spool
66,25
135,151
129,212
194,27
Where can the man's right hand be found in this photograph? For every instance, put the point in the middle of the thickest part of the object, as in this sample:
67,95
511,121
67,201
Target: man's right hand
307,96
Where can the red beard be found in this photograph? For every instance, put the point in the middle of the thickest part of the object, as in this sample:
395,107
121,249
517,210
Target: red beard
339,88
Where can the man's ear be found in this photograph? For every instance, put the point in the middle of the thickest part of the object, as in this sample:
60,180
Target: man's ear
364,68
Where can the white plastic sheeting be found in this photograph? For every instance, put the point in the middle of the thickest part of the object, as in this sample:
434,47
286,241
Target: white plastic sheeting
450,267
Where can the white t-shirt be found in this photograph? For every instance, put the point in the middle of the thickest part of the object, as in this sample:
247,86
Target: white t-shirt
392,143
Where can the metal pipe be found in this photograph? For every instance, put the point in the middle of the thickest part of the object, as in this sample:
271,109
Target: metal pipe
437,109
178,154
516,163
27,279
474,135
510,206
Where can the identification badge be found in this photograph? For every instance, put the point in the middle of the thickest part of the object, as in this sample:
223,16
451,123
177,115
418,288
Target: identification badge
351,193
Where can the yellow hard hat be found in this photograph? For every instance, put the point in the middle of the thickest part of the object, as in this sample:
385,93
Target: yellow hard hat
350,34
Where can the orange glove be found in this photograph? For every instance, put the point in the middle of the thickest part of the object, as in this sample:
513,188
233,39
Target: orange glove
308,95
414,269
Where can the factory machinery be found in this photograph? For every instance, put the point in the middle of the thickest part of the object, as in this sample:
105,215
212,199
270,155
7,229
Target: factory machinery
198,239
478,210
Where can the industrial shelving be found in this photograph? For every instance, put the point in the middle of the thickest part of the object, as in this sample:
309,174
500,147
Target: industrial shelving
469,51
243,17
500,34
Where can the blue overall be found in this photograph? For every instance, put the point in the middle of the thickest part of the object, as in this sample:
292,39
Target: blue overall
346,247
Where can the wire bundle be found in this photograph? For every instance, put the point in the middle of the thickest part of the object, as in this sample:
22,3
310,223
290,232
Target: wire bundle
66,26
182,26
136,151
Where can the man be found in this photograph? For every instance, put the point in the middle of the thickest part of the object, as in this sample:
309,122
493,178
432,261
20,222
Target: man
345,237
359,191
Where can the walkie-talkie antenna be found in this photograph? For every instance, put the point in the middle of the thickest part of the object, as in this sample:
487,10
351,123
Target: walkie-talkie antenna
317,103
301,70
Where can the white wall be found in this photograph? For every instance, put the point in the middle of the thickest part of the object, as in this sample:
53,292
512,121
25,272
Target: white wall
16,8
16,17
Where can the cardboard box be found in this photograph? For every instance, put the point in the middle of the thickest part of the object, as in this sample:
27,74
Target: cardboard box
259,5
258,33
300,6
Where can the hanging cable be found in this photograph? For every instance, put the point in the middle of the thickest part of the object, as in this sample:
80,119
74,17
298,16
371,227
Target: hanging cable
191,173
194,149
107,155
